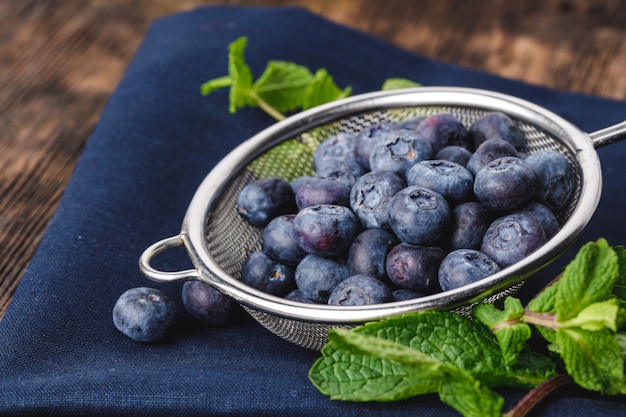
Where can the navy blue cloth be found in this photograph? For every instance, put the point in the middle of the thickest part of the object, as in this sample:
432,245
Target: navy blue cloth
60,353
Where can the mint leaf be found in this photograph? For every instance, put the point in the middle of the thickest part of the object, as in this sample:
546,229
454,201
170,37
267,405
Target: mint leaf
587,279
283,85
240,75
215,84
511,333
323,90
597,316
592,359
396,83
619,289
456,387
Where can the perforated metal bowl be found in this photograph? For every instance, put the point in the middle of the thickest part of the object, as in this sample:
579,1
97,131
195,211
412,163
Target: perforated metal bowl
218,240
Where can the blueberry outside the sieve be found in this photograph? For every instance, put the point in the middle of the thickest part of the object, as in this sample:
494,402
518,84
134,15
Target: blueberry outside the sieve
144,314
207,304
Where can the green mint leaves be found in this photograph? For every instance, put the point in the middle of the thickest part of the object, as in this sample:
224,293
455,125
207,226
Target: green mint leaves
283,87
581,317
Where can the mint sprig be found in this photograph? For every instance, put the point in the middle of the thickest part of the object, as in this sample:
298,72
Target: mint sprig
579,317
283,87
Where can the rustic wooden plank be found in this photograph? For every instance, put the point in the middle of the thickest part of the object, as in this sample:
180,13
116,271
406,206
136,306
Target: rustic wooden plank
60,61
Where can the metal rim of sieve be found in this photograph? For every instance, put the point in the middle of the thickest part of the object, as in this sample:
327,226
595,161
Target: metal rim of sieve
577,143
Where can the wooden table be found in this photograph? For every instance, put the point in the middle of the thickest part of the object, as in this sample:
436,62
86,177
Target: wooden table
61,60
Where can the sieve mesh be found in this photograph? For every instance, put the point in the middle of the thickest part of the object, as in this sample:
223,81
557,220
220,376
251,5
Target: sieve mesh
229,239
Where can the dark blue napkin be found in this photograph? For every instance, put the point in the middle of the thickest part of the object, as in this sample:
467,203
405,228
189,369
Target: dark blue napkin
157,139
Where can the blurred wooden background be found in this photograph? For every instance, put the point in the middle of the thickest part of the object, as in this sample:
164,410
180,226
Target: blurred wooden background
61,60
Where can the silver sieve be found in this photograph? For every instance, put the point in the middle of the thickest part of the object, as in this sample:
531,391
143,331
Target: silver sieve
218,240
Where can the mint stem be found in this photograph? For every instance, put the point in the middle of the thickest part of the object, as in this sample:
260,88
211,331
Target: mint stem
540,319
267,108
537,394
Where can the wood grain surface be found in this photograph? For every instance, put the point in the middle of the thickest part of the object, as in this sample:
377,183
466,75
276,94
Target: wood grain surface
61,60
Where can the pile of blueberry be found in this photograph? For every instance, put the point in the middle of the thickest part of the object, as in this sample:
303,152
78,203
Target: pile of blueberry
402,210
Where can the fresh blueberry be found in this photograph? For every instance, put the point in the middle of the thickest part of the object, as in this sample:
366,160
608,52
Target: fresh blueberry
265,274
298,296
505,184
369,251
543,215
455,153
360,290
367,138
144,314
402,294
398,151
296,183
470,222
335,149
322,191
316,277
453,181
370,197
488,151
511,238
279,241
346,171
325,229
463,267
263,199
443,129
496,125
415,267
206,304
411,123
556,179
420,216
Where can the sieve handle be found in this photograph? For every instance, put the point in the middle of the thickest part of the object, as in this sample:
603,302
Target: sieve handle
156,275
609,135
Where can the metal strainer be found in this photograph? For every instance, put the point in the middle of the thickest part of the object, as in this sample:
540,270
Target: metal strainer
218,240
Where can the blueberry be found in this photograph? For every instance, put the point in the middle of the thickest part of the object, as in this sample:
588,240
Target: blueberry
443,129
296,183
370,197
470,222
206,304
455,153
556,180
511,238
358,290
367,138
543,215
369,251
451,180
144,314
265,274
465,266
402,294
298,296
346,171
325,229
317,276
420,216
415,267
505,184
322,191
279,241
496,125
488,151
411,123
398,151
336,148
263,199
